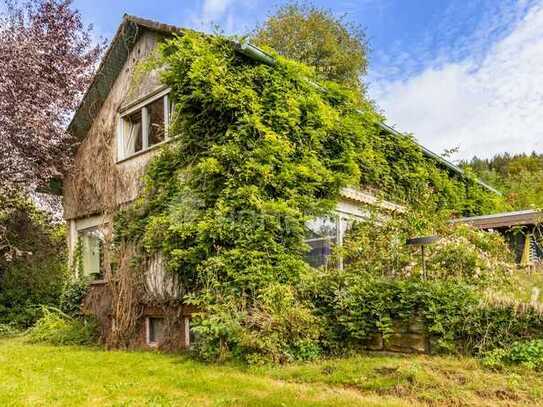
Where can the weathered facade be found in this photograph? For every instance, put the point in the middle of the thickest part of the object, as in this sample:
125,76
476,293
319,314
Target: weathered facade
106,177
117,124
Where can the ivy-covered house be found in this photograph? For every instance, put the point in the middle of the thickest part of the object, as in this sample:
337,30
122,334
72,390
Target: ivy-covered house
124,121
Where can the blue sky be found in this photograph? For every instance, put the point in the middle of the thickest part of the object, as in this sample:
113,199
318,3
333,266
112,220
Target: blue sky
456,73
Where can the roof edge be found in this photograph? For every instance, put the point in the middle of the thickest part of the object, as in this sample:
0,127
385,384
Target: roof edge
430,154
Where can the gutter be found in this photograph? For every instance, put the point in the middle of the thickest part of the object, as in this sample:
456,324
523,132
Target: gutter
255,53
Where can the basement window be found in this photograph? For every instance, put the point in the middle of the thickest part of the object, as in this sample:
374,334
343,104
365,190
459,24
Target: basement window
144,125
155,330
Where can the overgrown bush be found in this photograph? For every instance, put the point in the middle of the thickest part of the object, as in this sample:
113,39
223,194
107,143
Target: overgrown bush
382,286
276,328
259,151
8,330
378,247
74,291
32,261
58,328
528,354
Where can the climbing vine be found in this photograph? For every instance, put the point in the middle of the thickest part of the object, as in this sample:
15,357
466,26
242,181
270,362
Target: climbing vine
258,151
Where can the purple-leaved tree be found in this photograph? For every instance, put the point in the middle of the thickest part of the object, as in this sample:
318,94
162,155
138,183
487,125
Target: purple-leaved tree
47,58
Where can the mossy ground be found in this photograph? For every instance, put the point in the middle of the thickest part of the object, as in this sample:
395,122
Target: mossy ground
38,375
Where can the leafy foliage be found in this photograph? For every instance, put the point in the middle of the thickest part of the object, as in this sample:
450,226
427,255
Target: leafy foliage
57,328
259,151
8,330
32,261
397,168
47,62
528,354
378,248
74,291
382,286
518,176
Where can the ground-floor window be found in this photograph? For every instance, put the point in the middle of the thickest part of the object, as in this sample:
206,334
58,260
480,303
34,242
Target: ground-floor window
326,232
90,242
321,237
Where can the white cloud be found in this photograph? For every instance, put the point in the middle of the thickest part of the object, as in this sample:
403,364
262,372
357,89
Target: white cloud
484,103
213,9
232,16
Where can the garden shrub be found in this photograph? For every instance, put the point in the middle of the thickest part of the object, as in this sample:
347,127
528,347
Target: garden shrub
462,252
382,286
58,328
454,313
8,330
74,291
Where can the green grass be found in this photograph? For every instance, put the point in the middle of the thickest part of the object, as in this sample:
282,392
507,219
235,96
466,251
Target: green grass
39,375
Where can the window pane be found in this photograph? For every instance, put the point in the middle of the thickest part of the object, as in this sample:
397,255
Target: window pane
156,121
156,330
322,227
132,133
319,252
91,252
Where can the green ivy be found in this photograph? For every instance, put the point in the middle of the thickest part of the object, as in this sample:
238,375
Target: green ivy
258,151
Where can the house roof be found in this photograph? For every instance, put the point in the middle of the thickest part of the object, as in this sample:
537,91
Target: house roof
370,199
123,42
116,55
505,219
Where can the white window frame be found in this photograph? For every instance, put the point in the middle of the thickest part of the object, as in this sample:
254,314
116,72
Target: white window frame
141,104
342,215
78,227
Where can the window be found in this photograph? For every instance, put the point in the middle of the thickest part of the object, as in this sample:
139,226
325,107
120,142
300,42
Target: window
324,233
132,133
321,235
91,244
191,336
155,330
144,125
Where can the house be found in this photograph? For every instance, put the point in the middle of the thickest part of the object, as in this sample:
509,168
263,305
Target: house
521,229
122,123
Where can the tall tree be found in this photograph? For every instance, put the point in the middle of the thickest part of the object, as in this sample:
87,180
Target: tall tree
335,47
47,58
519,177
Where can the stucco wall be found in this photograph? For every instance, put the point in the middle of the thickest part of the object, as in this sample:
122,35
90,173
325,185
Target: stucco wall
97,182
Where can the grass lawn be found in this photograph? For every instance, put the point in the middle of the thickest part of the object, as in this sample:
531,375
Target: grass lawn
38,375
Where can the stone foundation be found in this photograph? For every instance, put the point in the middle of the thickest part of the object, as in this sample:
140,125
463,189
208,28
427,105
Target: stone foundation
175,317
406,338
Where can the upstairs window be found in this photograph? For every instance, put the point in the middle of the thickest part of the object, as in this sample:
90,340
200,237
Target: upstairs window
144,125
